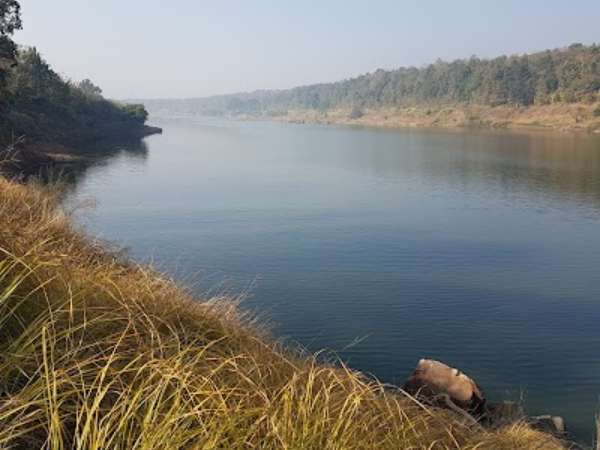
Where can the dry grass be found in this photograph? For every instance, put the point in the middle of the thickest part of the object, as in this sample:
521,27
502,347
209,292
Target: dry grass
571,117
99,353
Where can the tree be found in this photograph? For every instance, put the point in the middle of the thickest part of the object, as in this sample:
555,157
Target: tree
135,113
10,17
10,20
33,77
89,88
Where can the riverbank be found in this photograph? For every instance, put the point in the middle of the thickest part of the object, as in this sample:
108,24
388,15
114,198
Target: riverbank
575,117
28,158
98,351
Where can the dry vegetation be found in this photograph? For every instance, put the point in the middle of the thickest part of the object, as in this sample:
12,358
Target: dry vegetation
561,117
99,353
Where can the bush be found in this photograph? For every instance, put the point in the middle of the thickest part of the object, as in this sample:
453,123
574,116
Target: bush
136,113
356,113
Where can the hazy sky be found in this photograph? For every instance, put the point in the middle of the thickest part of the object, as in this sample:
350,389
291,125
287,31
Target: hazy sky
184,48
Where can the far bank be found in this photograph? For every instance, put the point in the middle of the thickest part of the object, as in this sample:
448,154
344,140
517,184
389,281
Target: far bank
569,118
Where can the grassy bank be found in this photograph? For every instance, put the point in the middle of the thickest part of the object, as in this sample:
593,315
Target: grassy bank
97,352
574,117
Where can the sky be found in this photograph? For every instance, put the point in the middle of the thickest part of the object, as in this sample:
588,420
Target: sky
193,48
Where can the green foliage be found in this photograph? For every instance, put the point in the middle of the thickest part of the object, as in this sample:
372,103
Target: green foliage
37,103
10,17
597,111
45,108
563,75
136,113
8,52
10,20
87,87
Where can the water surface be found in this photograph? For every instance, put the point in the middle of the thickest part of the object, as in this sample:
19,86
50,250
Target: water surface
481,249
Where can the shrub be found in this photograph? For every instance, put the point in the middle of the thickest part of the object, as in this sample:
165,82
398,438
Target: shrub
356,113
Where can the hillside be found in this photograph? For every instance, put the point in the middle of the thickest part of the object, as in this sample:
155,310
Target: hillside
42,114
561,87
41,106
45,118
98,352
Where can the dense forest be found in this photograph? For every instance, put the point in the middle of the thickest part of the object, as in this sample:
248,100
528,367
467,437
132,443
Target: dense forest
39,106
564,75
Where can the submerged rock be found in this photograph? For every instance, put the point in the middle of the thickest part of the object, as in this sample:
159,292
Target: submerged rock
549,424
438,383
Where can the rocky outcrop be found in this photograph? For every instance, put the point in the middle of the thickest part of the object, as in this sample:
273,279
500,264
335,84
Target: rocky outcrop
438,384
148,130
441,384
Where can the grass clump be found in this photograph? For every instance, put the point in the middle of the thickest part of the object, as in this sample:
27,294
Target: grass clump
97,352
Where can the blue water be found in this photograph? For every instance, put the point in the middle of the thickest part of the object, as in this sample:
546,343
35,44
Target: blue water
481,249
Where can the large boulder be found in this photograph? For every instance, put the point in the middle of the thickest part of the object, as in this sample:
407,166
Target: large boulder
438,383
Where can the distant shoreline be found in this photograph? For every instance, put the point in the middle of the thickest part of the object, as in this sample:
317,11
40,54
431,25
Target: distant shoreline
564,118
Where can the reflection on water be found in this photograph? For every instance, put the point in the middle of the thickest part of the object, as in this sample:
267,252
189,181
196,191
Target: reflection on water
545,163
477,248
93,157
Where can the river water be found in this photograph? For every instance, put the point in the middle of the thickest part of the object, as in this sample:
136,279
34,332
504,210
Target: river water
481,249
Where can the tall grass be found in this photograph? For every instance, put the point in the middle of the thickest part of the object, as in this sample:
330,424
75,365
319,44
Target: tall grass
97,352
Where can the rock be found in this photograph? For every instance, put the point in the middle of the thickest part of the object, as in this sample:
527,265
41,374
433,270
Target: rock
148,130
436,382
549,424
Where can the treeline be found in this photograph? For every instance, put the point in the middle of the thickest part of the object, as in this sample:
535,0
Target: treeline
37,105
555,76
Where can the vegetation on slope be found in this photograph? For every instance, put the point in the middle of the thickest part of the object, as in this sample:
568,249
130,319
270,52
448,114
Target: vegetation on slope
97,352
40,105
553,77
37,106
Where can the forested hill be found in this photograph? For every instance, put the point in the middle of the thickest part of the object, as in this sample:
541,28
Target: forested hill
566,75
38,106
41,112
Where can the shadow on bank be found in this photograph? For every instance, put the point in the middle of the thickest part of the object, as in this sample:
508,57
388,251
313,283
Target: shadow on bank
22,160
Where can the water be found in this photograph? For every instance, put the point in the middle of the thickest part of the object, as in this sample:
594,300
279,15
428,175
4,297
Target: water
481,249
